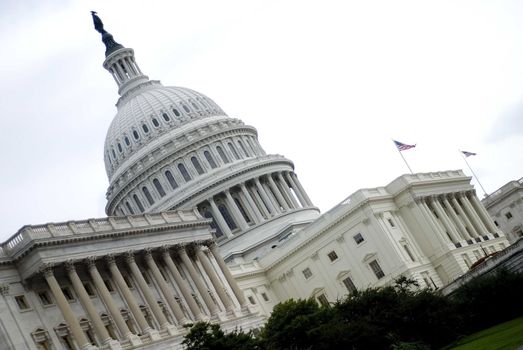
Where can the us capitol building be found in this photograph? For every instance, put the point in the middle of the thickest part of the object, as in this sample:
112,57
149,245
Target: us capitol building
202,224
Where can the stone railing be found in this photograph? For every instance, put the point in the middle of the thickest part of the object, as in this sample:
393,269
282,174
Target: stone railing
30,233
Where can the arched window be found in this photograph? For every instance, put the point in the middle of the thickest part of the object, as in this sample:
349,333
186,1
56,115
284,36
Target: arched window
138,203
129,208
120,147
228,219
114,154
218,232
145,128
186,109
222,154
195,106
156,123
243,148
127,142
171,179
210,159
183,171
197,165
166,117
158,187
242,210
176,112
136,135
147,194
233,150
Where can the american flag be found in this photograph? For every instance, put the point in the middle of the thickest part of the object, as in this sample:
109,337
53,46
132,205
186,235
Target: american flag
468,154
403,146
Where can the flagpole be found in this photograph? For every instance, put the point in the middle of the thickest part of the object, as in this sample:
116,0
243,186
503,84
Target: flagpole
407,164
473,173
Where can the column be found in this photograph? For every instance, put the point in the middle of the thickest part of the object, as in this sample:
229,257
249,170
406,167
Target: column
219,218
293,203
296,190
271,197
69,316
277,193
109,302
445,220
235,211
482,230
430,216
129,298
249,204
463,216
214,279
166,291
483,214
261,204
265,196
151,300
200,285
228,276
182,284
300,187
79,289
456,220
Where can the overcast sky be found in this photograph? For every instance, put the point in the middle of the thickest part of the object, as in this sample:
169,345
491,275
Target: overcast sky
327,84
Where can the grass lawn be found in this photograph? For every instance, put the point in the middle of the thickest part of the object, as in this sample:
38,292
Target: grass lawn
504,336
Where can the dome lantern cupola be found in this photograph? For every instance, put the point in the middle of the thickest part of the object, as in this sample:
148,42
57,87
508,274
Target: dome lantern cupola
119,60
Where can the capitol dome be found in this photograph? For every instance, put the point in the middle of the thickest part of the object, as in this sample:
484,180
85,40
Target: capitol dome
146,114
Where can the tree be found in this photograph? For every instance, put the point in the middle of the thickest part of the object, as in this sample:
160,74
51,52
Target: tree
207,336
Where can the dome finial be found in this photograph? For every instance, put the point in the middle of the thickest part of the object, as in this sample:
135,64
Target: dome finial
107,38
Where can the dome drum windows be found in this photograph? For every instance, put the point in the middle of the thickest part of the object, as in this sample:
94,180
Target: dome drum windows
196,163
184,172
159,187
222,154
136,135
233,150
155,122
170,178
138,203
147,195
145,128
210,159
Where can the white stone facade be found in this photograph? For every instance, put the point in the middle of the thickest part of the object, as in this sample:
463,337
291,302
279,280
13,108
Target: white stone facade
506,208
183,175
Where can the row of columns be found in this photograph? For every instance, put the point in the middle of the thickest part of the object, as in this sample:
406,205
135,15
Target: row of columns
261,199
206,257
457,216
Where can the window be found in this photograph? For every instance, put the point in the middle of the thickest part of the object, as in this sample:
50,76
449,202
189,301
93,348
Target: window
358,238
508,215
147,194
332,256
89,289
264,296
128,281
496,223
159,187
466,259
136,135
307,273
251,300
233,150
68,293
131,211
210,159
119,147
109,285
166,117
242,210
243,148
391,223
156,123
228,219
376,268
145,128
45,298
322,299
197,165
22,303
222,154
138,203
349,284
186,109
409,253
176,112
218,233
183,171
171,180
127,142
